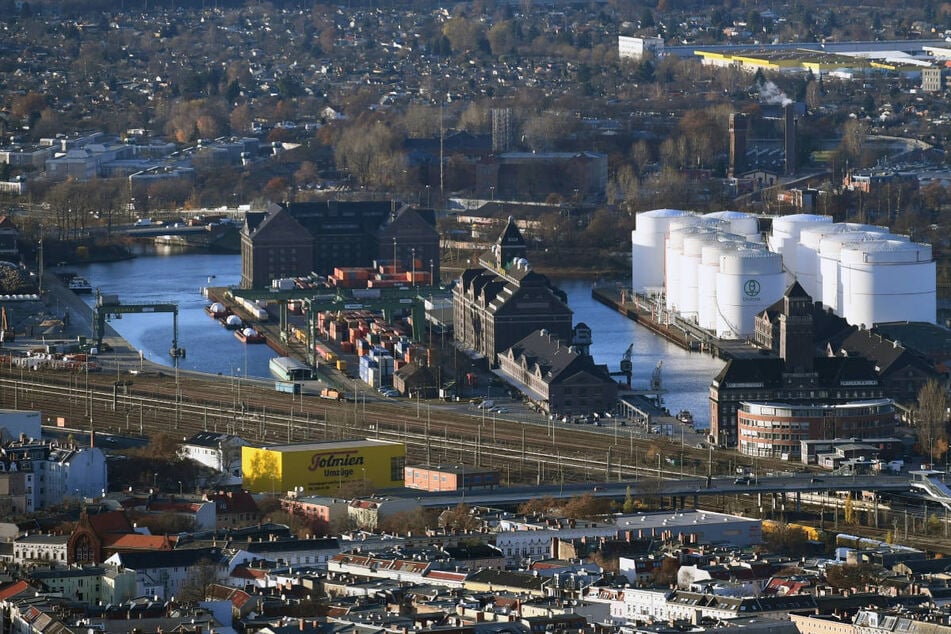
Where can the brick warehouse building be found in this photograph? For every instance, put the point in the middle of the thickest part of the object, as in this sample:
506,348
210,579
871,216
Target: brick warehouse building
502,301
295,239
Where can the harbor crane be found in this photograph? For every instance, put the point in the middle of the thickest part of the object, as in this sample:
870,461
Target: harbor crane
108,306
627,365
657,382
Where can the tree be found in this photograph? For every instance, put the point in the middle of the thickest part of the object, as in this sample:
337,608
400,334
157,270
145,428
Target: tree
850,575
666,574
787,538
405,522
459,518
931,415
200,576
501,38
12,279
586,507
849,511
370,153
628,506
853,141
541,506
463,34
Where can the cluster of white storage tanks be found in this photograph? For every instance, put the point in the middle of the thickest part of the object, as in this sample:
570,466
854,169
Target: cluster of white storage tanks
864,273
715,270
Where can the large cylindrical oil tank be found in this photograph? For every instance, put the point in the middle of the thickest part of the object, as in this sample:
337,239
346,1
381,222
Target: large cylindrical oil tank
648,243
785,236
749,281
807,252
707,286
679,229
690,265
829,281
887,280
740,223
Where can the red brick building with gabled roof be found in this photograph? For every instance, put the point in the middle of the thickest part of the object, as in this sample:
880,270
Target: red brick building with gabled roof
100,535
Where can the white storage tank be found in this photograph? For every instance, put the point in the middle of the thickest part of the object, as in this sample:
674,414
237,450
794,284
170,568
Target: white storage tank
829,281
679,229
887,280
707,291
740,223
785,236
807,252
648,243
690,265
749,281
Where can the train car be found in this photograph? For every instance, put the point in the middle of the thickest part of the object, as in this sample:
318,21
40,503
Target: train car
288,387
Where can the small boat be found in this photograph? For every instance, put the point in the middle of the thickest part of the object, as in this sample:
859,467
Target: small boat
685,417
249,335
79,285
217,310
231,322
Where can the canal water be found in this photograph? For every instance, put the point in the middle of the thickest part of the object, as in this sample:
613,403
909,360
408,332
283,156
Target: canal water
173,275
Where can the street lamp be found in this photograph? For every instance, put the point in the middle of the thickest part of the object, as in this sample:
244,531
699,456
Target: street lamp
413,256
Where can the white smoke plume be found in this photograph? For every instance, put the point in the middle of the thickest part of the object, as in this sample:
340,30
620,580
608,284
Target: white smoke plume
769,93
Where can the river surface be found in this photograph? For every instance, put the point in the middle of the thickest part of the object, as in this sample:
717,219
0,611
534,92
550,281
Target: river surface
170,275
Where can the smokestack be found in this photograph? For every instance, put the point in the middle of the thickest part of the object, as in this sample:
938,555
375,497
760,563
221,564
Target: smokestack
738,126
789,132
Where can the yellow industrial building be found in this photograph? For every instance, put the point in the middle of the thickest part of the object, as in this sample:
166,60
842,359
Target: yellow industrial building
322,467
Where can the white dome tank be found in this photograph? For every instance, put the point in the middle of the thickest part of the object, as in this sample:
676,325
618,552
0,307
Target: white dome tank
690,265
887,280
807,252
749,281
785,236
673,256
740,223
648,244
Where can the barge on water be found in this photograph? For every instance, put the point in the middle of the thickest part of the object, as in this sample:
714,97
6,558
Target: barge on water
290,369
249,335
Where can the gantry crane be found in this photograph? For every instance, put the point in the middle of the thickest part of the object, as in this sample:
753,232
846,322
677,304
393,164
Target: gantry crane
108,306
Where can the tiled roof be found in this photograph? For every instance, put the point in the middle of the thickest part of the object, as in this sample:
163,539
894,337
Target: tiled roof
14,589
144,560
136,541
110,522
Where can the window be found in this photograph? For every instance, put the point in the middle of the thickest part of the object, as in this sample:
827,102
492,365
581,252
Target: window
397,467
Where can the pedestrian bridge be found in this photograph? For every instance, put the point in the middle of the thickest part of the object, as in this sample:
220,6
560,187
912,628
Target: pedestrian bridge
930,482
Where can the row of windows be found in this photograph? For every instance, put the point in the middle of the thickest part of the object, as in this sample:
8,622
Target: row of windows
768,436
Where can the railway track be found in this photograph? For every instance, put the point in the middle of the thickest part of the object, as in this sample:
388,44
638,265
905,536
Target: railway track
526,453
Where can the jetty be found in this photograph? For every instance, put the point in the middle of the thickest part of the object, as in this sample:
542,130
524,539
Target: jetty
653,315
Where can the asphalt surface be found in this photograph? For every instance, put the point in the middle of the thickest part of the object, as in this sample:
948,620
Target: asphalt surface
59,320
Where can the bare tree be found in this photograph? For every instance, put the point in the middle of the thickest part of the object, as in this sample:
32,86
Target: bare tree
931,416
